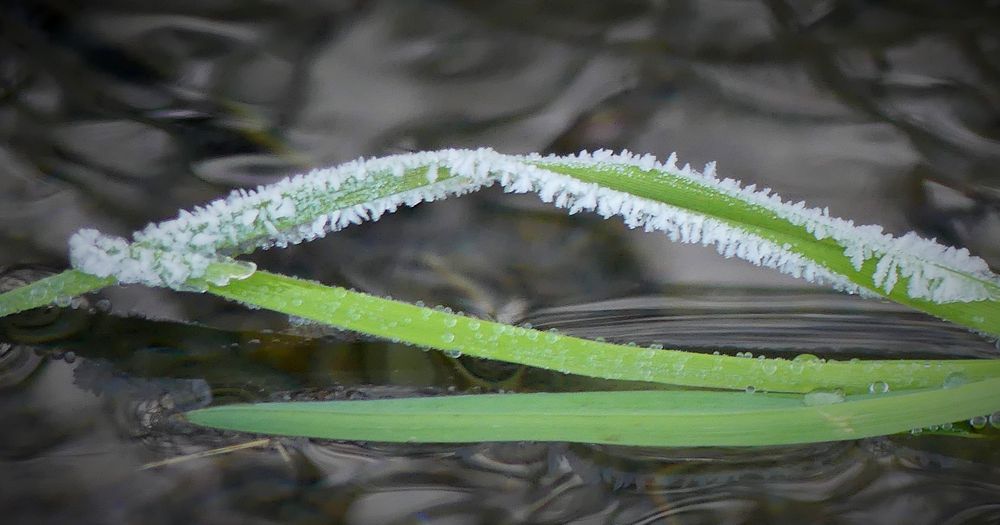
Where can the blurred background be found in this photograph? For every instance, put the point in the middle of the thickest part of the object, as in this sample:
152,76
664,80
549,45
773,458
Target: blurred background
115,114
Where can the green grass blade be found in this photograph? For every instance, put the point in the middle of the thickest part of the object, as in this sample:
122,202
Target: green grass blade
52,289
72,283
646,418
458,334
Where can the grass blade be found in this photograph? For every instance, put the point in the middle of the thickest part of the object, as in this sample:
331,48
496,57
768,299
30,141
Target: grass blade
646,418
458,334
55,288
836,251
688,206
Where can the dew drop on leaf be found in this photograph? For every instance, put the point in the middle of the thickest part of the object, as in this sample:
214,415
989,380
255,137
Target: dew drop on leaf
878,387
955,379
63,301
823,397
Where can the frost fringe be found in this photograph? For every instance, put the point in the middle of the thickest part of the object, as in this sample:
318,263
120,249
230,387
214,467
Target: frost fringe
307,207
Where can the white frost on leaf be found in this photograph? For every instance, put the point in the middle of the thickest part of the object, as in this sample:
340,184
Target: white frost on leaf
933,271
307,207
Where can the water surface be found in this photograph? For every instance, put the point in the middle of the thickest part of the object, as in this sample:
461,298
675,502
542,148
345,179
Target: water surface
115,115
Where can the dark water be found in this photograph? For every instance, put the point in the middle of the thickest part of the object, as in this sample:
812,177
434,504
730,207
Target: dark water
117,114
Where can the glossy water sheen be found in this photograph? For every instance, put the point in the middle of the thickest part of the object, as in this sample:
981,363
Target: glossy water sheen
123,114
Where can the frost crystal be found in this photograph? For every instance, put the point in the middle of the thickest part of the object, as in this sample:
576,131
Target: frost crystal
307,207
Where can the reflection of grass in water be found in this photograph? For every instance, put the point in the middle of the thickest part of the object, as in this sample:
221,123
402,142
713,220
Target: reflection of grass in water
834,400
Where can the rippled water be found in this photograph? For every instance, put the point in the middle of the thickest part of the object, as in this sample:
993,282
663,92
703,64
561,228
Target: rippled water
114,115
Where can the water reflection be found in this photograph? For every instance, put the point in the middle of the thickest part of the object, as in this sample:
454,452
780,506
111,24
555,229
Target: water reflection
125,404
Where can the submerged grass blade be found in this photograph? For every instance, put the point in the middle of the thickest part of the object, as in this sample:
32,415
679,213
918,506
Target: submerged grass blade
455,333
646,418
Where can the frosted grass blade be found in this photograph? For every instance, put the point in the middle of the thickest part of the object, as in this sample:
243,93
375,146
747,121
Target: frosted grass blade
688,206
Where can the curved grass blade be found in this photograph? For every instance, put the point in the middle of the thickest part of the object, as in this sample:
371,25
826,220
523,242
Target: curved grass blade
646,418
688,206
458,334
916,272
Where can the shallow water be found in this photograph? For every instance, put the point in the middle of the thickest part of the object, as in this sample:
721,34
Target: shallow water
115,116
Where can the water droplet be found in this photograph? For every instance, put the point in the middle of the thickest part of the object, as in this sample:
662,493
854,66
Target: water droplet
994,419
339,293
63,301
473,324
447,337
947,426
296,302
955,379
806,358
420,304
769,367
551,337
455,354
103,305
750,389
916,431
450,322
69,357
823,397
878,387
978,422
656,346
527,326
